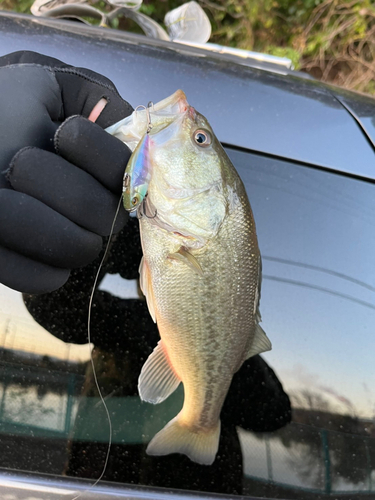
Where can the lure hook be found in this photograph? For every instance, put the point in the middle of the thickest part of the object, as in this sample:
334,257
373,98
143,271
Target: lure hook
150,106
140,106
143,211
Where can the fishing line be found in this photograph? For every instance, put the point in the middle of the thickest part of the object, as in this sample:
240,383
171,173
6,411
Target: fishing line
91,358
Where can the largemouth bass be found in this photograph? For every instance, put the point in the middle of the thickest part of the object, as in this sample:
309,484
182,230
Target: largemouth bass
200,274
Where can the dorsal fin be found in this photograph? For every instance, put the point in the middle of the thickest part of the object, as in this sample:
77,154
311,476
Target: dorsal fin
260,343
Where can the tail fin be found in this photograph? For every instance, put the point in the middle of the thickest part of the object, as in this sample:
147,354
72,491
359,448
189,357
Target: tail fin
200,447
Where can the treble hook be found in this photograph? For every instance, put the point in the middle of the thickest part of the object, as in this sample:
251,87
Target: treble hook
143,212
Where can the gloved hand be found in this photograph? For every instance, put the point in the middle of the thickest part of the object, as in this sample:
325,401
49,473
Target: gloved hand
60,174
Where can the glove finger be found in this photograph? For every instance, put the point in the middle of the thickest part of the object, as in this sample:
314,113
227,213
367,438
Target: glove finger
83,88
91,148
26,275
31,108
29,227
66,189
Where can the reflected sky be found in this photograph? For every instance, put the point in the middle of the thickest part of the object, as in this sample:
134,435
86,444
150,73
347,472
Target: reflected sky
317,238
19,331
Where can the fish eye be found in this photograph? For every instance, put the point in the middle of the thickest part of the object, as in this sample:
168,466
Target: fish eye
202,138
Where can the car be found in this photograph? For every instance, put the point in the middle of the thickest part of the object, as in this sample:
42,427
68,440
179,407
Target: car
299,420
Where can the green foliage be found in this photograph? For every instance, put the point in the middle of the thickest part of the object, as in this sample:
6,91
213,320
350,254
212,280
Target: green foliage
22,6
337,43
148,9
332,39
288,52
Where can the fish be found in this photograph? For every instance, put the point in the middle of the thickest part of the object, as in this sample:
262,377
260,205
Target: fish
201,276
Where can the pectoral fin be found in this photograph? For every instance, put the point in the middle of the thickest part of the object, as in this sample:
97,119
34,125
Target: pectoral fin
157,380
146,287
261,343
187,258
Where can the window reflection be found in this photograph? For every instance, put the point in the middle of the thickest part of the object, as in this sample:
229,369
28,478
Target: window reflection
316,237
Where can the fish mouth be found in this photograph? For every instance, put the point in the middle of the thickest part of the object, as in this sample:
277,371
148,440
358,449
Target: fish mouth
192,113
131,129
172,105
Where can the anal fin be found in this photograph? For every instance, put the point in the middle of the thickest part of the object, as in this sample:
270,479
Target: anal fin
260,343
157,380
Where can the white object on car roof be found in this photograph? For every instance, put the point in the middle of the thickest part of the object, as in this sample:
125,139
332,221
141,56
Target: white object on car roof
188,23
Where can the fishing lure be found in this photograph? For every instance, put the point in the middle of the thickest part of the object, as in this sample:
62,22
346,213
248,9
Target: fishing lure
138,172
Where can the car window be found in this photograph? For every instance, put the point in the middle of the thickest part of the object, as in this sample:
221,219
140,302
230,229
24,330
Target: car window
316,238
299,418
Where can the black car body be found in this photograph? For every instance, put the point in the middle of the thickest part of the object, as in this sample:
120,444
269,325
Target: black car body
306,153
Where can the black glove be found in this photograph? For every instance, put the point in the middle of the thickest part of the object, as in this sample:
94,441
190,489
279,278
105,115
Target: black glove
54,208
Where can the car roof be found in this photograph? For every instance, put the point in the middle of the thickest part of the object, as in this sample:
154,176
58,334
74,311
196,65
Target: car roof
251,105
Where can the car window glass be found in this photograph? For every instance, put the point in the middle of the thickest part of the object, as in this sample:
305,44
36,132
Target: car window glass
316,238
299,418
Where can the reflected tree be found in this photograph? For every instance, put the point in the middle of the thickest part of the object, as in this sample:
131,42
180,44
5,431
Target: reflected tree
329,448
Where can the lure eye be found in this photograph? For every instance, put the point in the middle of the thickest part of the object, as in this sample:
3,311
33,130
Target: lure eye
202,138
135,200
